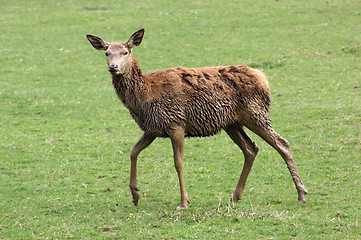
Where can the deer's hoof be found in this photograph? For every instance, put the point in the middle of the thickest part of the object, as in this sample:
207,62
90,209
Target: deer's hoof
302,194
301,201
181,207
235,198
135,200
135,196
301,198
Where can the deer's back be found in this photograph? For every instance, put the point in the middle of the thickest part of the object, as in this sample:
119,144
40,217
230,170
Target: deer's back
225,80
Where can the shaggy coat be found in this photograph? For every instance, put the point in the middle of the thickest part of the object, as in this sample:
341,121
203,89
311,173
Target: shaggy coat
202,100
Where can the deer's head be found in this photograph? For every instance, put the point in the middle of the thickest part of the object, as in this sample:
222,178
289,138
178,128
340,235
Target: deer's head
118,53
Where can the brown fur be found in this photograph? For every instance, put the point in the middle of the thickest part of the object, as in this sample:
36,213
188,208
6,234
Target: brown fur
202,100
194,102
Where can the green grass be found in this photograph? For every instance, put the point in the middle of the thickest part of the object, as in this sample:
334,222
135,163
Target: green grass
66,138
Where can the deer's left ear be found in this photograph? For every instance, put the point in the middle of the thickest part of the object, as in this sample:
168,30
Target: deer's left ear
136,38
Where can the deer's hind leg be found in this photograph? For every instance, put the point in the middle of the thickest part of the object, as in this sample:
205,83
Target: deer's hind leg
283,148
249,149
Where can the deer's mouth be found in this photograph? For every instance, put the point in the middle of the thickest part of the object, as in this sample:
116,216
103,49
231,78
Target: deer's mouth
114,72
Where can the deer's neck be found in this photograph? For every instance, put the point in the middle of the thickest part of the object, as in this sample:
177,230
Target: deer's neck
130,87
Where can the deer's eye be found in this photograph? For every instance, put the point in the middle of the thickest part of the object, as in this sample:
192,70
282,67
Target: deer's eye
126,53
106,54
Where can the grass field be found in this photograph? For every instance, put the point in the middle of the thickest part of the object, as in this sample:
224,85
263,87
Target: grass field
66,138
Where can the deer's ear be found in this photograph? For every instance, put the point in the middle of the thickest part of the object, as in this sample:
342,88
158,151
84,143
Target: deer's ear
97,42
136,38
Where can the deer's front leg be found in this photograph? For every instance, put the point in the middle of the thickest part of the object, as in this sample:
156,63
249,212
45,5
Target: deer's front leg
143,142
177,138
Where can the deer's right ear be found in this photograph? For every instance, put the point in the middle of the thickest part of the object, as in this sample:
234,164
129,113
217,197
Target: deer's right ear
97,42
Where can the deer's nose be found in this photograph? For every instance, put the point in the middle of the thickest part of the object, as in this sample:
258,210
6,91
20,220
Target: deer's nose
113,68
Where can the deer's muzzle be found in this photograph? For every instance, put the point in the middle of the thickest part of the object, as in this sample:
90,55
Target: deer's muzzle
113,68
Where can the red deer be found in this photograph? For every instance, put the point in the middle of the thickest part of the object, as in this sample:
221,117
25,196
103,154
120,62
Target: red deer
194,102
